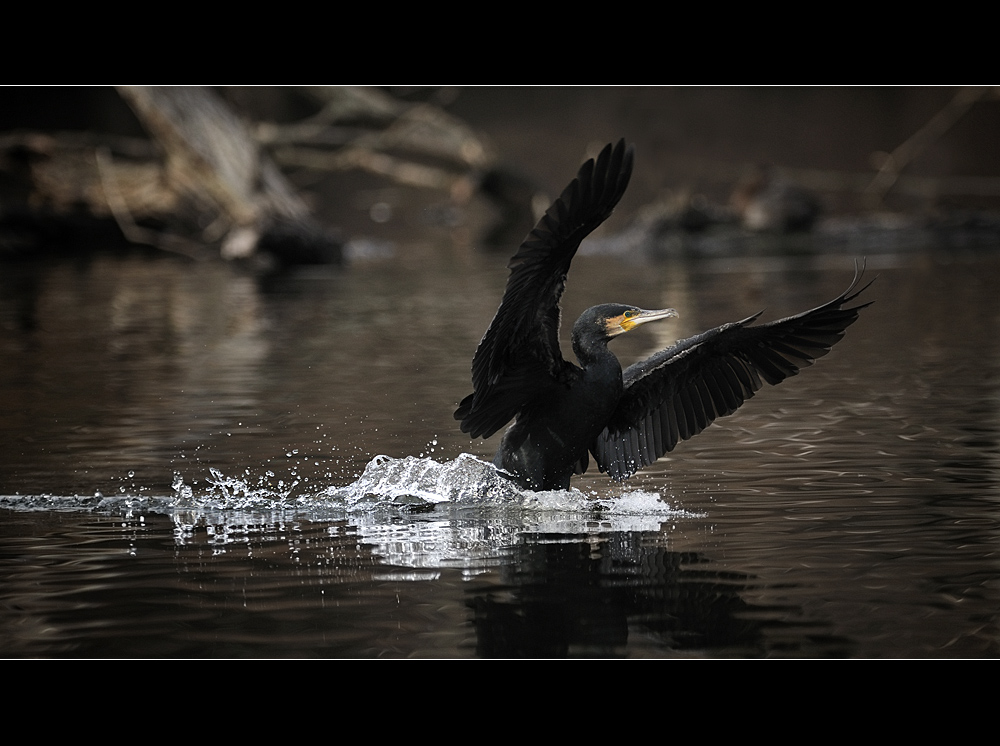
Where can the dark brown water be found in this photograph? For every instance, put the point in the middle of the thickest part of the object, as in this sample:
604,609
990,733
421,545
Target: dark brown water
181,448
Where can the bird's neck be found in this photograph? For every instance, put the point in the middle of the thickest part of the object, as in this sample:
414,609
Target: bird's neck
600,385
594,353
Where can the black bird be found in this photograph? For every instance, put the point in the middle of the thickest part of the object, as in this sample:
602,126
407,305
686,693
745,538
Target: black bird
628,420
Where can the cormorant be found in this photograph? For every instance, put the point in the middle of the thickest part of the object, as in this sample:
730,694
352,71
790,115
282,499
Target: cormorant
628,420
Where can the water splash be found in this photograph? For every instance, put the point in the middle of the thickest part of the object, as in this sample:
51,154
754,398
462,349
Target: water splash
469,481
387,483
411,512
423,480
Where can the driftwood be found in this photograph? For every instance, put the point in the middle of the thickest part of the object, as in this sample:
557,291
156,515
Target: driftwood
210,151
413,144
211,159
207,182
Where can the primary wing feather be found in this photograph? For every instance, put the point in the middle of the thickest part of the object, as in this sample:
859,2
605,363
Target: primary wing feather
678,392
519,357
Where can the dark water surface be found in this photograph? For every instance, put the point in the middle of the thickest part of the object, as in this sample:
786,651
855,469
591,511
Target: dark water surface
180,450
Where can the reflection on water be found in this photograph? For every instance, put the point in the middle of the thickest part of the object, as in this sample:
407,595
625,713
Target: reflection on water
196,465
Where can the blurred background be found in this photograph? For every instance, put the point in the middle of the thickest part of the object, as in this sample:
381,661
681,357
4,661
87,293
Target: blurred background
288,176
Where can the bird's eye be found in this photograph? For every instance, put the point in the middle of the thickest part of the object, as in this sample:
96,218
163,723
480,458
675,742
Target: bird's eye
629,314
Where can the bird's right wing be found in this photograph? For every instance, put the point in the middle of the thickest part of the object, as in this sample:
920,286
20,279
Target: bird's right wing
677,393
519,357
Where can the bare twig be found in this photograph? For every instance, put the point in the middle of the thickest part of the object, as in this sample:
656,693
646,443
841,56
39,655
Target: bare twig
123,216
893,163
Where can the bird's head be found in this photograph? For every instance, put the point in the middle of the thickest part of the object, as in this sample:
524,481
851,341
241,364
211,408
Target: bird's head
612,319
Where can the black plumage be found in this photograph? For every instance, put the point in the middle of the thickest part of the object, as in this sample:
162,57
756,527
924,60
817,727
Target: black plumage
627,421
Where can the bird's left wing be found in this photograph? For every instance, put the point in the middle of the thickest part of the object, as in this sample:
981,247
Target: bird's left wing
519,357
678,392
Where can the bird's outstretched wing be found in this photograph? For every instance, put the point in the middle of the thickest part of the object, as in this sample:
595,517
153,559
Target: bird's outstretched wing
519,357
677,393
